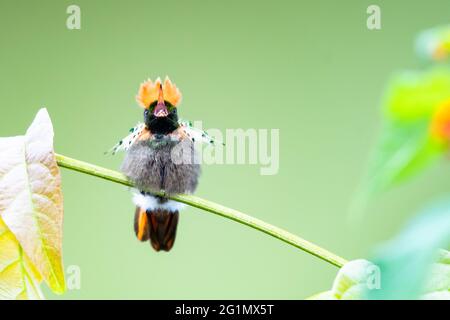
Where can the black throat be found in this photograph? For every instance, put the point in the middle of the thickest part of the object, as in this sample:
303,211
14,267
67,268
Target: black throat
162,125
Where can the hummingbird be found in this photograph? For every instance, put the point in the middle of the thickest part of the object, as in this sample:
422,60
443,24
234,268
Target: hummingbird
160,156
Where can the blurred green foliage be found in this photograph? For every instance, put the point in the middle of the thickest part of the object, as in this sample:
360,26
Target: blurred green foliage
407,144
415,95
434,44
405,262
415,132
410,266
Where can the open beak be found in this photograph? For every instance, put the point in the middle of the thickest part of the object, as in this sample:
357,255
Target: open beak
160,109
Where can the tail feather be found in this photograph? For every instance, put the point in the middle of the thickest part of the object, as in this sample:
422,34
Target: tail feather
163,228
141,227
158,225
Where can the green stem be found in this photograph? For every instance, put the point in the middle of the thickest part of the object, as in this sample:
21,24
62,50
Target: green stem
209,206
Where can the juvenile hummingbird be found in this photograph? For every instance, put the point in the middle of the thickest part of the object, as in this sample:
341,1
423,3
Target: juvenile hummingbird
160,155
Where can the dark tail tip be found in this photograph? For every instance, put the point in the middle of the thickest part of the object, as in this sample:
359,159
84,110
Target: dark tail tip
162,229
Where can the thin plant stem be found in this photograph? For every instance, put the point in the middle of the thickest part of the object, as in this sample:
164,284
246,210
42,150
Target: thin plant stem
208,206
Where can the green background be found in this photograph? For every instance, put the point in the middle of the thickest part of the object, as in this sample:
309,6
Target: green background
310,68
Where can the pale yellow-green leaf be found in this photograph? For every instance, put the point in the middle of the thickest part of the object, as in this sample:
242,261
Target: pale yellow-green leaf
354,279
438,285
18,278
326,295
349,283
31,203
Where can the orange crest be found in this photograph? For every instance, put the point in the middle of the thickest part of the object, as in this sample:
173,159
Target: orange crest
149,92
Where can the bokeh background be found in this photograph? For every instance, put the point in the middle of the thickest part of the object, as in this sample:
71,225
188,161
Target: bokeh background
310,68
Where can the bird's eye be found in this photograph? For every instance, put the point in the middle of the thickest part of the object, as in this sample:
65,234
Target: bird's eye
145,112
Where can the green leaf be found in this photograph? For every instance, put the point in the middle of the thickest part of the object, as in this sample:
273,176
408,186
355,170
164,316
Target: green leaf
31,204
414,96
